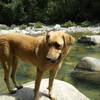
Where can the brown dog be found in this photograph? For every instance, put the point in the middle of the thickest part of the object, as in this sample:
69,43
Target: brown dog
45,52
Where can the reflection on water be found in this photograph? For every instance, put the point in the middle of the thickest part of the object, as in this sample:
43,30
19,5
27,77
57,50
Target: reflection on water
26,73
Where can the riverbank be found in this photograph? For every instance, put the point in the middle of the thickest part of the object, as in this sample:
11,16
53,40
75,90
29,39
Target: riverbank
35,31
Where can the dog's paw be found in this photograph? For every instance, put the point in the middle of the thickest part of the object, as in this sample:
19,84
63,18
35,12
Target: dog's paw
19,87
13,91
52,97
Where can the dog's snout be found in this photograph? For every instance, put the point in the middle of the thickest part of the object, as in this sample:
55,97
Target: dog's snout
51,60
48,58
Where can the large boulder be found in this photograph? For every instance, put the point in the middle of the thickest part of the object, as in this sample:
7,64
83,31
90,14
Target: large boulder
89,69
62,90
92,40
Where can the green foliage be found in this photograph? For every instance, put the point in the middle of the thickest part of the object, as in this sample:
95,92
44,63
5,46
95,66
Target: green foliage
12,12
19,13
85,24
6,13
39,25
48,11
3,27
23,26
68,24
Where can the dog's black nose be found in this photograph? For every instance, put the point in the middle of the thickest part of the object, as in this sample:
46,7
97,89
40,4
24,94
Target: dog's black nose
48,58
51,60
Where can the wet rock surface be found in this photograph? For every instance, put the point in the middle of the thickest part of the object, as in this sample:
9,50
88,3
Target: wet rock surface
89,69
90,40
61,89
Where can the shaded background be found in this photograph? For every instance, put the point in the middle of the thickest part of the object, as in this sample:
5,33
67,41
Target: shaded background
48,11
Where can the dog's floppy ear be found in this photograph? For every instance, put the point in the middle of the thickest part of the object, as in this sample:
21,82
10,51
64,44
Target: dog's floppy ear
68,39
47,34
71,40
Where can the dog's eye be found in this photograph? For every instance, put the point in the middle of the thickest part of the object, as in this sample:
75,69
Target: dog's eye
57,45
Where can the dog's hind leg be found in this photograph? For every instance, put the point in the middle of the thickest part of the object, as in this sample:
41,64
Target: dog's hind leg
13,73
5,61
6,68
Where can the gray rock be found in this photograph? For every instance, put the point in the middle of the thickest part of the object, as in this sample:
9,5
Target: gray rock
61,89
93,30
32,24
31,28
89,69
57,27
94,39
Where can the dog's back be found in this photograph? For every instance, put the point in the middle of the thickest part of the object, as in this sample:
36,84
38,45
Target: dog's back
18,45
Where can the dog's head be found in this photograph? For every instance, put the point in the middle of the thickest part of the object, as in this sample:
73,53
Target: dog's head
56,43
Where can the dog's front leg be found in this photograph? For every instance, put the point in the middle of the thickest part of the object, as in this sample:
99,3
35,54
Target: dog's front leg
52,75
37,84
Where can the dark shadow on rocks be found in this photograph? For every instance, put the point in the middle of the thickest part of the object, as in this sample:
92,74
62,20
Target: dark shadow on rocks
22,94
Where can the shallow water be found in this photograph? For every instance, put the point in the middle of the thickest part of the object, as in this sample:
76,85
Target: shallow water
25,73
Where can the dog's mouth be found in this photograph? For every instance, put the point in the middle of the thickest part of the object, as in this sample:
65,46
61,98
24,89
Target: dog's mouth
53,60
